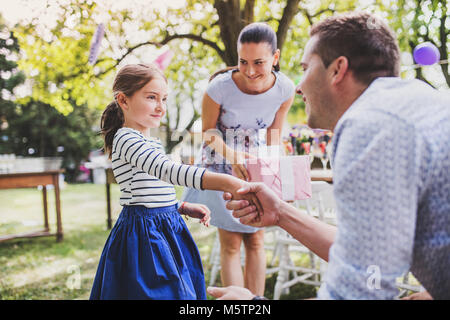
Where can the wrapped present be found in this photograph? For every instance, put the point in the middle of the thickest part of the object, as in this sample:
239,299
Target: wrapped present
288,176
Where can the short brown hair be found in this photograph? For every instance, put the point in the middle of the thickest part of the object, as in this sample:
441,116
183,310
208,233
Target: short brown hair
365,40
129,79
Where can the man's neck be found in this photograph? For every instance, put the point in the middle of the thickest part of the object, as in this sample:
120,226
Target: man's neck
348,94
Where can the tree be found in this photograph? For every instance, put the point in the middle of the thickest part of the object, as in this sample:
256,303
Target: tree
203,33
37,129
10,78
417,21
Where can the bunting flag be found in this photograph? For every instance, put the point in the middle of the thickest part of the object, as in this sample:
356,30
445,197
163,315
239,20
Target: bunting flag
96,42
163,60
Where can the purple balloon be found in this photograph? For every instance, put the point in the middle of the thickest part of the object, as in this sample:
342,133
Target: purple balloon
426,54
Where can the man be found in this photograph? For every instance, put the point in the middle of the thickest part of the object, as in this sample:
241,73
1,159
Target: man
391,167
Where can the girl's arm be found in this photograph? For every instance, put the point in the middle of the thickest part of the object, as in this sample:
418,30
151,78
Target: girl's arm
274,131
228,183
132,148
214,139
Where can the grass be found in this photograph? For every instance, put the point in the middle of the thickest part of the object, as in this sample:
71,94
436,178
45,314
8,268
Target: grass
41,268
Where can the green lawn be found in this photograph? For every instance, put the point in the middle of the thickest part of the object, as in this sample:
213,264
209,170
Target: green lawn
41,268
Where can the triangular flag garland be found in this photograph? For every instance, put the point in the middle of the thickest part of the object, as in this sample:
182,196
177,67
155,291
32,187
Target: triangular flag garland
96,42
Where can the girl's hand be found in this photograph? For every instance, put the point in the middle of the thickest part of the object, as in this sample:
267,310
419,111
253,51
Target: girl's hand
253,201
197,211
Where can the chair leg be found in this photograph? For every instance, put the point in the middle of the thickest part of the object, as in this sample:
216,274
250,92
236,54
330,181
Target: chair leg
214,271
276,253
312,261
283,273
214,259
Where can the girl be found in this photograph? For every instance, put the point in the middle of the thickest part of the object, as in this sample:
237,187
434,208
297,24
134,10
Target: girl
247,104
150,253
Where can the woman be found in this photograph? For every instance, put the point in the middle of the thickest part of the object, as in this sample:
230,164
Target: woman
243,109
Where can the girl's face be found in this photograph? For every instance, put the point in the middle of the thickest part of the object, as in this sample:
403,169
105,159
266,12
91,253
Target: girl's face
145,108
256,62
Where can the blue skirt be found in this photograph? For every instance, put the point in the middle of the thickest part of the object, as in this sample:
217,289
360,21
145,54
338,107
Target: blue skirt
149,254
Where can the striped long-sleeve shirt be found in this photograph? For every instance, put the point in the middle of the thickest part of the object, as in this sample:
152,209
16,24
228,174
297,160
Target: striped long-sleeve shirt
144,172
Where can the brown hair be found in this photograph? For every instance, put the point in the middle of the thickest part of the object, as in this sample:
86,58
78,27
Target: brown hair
129,79
256,32
365,40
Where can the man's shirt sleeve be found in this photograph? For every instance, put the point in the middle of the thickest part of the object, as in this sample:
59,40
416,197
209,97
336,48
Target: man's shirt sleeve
375,185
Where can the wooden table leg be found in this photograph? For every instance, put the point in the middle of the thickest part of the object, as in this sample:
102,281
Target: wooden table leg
59,230
108,205
44,200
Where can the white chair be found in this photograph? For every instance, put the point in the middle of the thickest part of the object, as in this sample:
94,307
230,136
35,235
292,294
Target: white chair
214,260
322,206
272,246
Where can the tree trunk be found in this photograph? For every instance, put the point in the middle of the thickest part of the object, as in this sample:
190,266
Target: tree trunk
230,25
289,13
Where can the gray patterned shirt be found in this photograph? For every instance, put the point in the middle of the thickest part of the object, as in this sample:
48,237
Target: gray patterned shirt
391,163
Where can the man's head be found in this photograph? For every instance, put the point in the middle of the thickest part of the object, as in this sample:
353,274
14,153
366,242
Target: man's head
344,55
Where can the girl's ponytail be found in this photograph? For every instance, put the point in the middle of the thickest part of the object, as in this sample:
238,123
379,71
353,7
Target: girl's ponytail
112,120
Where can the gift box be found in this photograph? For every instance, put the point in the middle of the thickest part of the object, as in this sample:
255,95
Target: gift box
288,176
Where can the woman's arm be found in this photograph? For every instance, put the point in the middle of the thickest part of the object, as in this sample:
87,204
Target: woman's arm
213,138
274,131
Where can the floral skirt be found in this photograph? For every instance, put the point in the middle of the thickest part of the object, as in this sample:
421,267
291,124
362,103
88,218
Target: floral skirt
149,254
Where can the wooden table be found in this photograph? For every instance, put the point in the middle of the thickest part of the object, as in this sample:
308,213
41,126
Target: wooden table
322,175
30,180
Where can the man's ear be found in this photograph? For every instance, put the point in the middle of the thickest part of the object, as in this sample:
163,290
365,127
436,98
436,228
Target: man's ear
121,99
338,69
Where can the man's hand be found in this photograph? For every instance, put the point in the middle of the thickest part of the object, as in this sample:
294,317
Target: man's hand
230,293
424,295
247,213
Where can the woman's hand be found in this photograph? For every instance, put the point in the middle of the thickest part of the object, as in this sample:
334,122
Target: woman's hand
197,211
239,169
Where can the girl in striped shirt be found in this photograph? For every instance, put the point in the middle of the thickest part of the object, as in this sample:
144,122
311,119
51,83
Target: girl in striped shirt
150,253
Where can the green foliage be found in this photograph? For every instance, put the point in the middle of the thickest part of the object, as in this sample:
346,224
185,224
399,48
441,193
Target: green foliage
10,77
417,21
56,60
55,56
42,128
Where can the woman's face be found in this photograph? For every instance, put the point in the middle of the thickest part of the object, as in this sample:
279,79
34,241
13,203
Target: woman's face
256,62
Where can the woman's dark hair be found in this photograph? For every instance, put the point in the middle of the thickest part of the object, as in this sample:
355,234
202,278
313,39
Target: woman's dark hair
129,79
256,32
